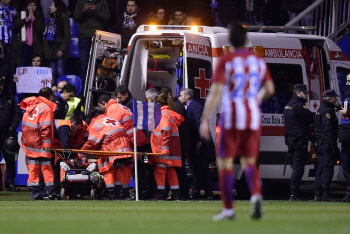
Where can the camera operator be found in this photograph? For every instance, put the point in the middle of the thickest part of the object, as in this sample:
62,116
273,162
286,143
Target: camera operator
344,138
326,127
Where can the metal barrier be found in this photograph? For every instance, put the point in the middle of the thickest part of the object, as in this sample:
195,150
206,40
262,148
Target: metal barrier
330,17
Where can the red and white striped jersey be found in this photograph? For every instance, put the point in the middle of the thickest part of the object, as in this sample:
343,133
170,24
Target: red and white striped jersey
242,74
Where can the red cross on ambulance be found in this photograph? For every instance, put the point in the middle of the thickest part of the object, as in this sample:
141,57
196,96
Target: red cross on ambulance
202,83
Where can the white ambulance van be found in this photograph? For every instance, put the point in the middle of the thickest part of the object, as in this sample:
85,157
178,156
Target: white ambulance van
185,57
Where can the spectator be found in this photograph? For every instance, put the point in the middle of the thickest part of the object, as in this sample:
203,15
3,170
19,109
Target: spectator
198,159
60,99
180,18
6,75
36,62
128,22
7,14
45,5
158,16
57,37
91,16
35,25
124,96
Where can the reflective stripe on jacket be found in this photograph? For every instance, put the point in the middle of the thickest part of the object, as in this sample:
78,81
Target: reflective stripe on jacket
166,139
37,126
124,116
107,134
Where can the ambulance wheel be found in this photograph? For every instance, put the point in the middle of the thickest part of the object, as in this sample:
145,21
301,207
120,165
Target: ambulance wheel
63,194
93,194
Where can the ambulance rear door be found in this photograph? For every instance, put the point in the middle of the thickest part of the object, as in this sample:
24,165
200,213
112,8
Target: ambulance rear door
198,69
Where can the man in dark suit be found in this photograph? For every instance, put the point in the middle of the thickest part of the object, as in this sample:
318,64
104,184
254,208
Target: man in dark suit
196,150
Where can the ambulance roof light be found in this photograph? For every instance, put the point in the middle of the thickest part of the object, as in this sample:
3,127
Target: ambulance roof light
172,27
153,28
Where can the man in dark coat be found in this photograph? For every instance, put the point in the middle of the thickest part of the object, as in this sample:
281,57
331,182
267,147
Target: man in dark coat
199,161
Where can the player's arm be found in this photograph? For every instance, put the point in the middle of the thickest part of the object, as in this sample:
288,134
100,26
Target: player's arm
211,102
266,91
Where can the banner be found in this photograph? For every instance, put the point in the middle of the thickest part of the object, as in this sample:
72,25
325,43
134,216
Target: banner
32,79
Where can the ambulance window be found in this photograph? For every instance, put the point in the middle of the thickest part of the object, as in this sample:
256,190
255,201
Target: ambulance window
341,75
284,77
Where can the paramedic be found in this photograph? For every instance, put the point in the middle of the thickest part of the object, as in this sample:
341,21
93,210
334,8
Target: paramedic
37,136
107,134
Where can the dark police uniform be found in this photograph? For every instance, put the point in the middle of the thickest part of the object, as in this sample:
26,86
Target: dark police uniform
326,128
297,121
344,138
10,117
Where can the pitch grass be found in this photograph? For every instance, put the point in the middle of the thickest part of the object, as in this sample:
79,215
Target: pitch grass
18,214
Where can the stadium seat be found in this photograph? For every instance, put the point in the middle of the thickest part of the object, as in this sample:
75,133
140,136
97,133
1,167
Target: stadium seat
73,28
74,48
74,80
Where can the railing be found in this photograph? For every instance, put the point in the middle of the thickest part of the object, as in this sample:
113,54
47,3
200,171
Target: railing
330,17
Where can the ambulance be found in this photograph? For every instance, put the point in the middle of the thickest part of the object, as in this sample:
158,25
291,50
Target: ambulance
185,57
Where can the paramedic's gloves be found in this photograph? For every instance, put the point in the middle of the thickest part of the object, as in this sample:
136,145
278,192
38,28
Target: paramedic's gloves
12,132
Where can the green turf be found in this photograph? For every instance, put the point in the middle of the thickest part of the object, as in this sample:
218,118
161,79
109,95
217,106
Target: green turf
20,215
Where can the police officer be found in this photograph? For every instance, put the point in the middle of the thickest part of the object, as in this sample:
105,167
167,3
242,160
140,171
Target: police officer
10,117
298,119
326,128
344,138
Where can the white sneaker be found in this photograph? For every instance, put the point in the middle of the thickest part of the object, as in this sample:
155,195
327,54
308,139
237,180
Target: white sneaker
91,167
256,206
221,216
64,166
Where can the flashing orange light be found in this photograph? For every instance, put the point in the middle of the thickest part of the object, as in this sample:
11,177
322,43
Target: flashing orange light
217,130
153,28
194,29
259,50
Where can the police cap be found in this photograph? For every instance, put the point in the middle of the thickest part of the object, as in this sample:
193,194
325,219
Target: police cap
330,93
301,87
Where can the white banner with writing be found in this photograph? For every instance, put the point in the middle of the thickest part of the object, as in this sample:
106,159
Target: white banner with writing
32,79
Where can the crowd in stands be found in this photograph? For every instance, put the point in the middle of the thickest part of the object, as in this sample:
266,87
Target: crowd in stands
42,27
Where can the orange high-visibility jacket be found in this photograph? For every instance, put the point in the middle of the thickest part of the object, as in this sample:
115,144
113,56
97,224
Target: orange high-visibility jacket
107,134
165,139
37,126
124,116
